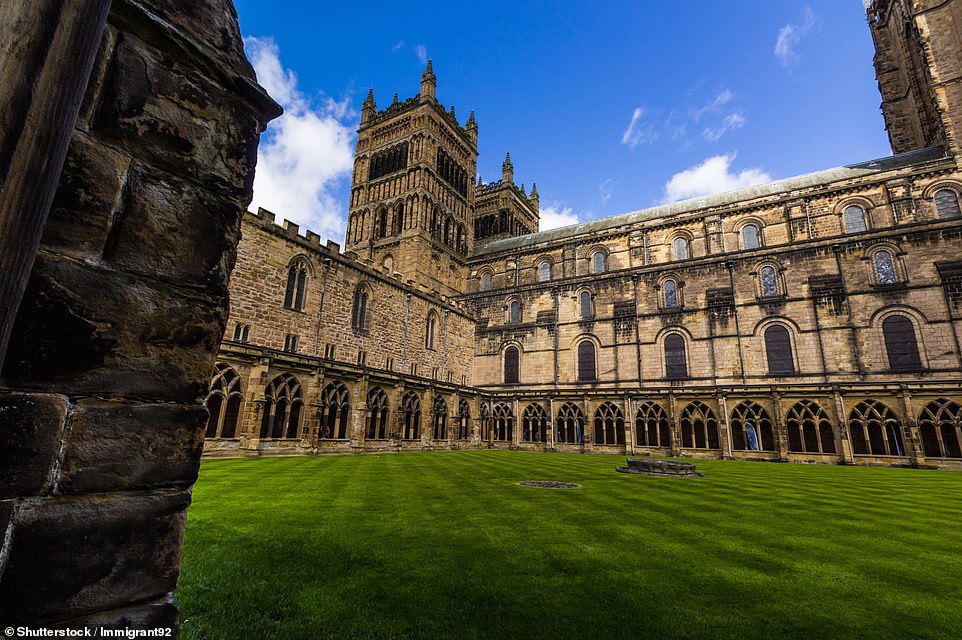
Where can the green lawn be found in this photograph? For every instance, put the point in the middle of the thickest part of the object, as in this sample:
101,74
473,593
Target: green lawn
439,545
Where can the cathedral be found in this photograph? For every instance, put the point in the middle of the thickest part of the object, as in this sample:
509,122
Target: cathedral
809,320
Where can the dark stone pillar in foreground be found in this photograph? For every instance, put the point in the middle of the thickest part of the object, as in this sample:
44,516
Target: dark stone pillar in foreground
113,338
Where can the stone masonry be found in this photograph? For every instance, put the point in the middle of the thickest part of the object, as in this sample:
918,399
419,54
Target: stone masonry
128,138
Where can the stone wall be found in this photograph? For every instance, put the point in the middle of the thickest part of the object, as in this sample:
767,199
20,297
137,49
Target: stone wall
123,312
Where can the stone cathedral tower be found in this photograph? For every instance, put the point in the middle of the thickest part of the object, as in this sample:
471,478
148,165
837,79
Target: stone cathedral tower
918,62
412,194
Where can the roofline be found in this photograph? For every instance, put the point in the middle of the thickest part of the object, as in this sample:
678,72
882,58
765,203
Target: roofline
671,210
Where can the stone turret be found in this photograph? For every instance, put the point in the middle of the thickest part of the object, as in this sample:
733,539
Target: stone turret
507,170
368,108
472,128
534,199
429,82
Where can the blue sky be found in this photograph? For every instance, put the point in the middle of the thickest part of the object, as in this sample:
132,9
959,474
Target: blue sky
608,106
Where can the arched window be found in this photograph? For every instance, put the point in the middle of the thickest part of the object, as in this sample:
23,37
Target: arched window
855,219
440,419
380,224
503,422
282,408
670,290
651,426
750,237
398,225
544,271
429,327
388,263
377,424
411,411
884,268
676,362
534,424
598,262
699,427
940,426
570,424
876,430
587,371
769,282
464,420
335,411
484,413
486,281
296,284
585,305
359,310
515,313
752,428
778,348
809,428
900,344
512,365
680,249
947,204
609,424
223,403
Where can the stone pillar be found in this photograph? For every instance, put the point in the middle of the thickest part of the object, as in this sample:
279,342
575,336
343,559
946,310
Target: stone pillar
673,425
781,434
726,443
114,341
844,439
910,429
427,418
360,413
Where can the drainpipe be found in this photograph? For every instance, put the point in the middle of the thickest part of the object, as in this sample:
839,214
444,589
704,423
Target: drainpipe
634,280
738,332
404,342
444,343
554,290
320,306
853,339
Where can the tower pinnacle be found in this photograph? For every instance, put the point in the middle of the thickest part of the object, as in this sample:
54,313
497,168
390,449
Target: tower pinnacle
429,81
369,107
507,170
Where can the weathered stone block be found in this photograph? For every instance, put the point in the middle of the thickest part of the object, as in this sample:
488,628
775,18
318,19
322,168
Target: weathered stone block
172,115
85,330
115,446
69,559
30,429
170,228
89,191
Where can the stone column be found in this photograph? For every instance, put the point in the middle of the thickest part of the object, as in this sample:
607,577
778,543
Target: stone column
844,439
781,433
114,341
673,427
910,429
726,443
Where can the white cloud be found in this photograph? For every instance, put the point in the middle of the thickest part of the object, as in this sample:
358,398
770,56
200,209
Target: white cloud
714,175
790,35
731,122
422,53
638,132
715,105
605,190
555,215
305,154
